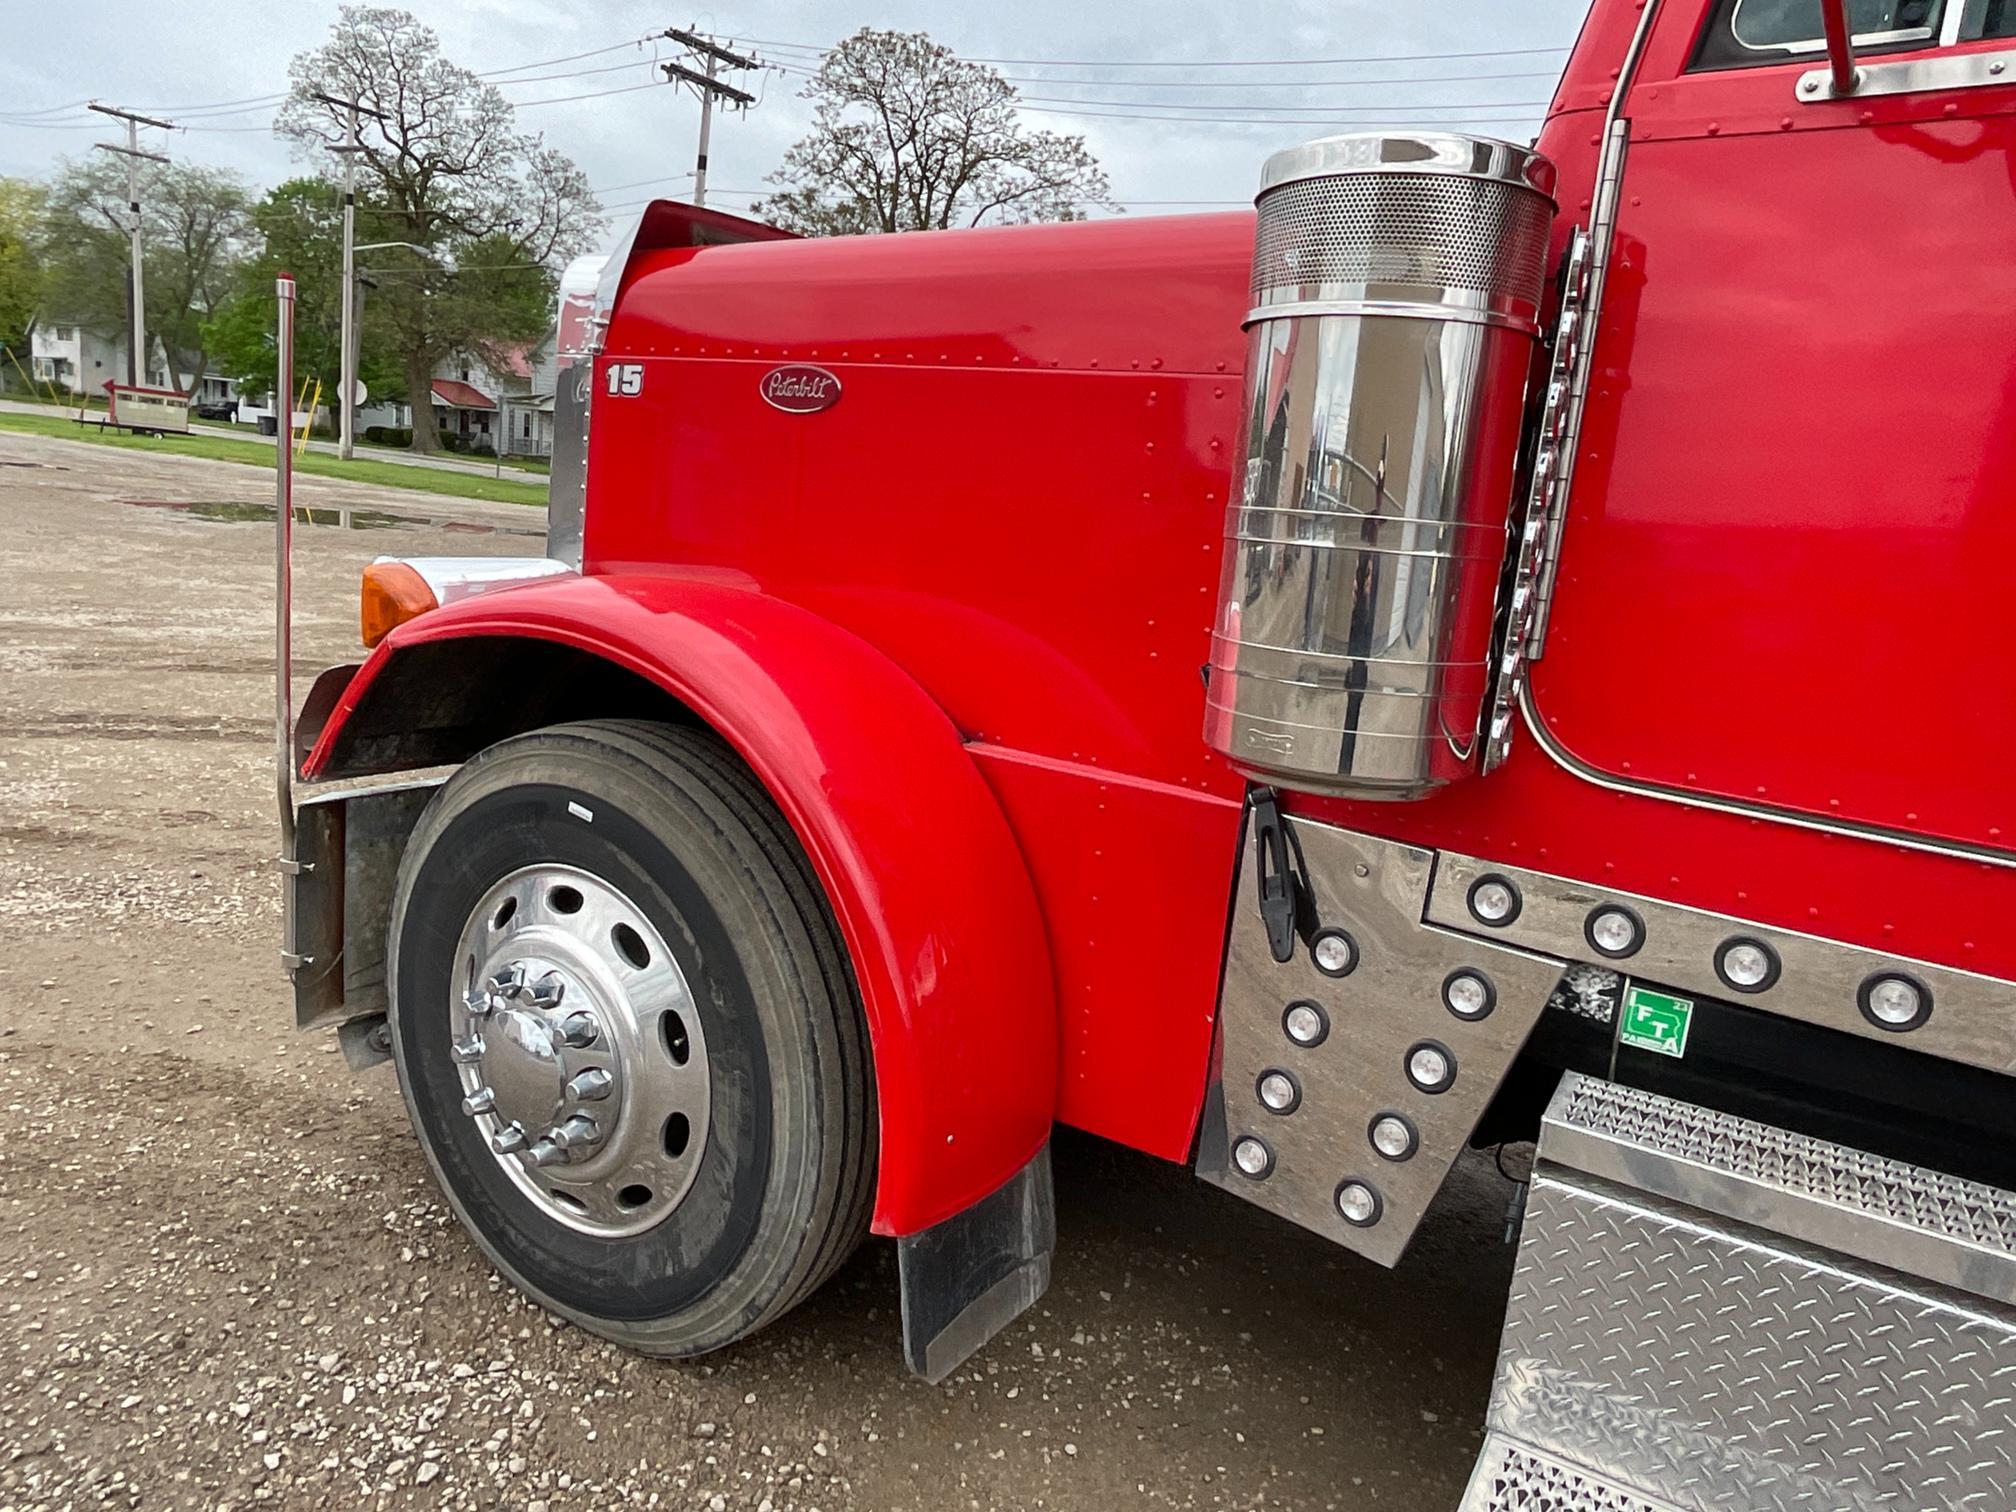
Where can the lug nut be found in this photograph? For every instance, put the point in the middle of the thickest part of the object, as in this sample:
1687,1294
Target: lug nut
508,1139
467,1052
580,1030
482,1100
591,1085
575,1133
477,1001
544,1152
510,982
546,992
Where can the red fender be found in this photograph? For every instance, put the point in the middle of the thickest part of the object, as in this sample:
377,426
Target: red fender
923,872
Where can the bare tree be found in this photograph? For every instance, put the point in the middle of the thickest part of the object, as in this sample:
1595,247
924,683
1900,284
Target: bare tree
447,170
908,137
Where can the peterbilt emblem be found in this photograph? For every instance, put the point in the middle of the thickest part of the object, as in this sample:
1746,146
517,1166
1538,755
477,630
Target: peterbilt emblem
800,389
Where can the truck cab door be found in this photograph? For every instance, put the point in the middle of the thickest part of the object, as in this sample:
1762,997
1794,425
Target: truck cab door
1785,574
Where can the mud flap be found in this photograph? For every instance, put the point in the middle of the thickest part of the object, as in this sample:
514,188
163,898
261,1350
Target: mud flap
340,899
1710,1312
966,1279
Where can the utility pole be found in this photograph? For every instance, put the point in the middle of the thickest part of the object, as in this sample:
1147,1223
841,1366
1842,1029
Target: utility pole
346,397
136,356
712,57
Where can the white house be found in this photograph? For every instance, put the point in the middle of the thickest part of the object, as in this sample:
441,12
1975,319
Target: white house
507,407
79,361
73,358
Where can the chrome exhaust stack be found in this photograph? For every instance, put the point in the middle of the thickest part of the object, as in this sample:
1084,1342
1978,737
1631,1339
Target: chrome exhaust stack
1395,309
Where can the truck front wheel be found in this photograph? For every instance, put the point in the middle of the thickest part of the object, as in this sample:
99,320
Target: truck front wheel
628,1036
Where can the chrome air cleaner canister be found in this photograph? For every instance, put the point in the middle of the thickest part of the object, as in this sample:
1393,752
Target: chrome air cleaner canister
1395,308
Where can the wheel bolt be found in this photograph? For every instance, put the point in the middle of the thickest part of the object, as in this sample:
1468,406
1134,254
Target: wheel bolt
544,1152
510,982
575,1132
580,1030
482,1100
591,1085
477,1001
467,1052
546,992
508,1139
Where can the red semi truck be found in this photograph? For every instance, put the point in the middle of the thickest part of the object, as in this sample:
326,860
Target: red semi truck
1498,643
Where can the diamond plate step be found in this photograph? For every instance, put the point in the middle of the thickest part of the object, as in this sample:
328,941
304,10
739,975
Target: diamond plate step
1888,1212
1689,1353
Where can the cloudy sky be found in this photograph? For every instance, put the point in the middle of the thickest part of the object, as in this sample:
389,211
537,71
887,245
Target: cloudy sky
1305,68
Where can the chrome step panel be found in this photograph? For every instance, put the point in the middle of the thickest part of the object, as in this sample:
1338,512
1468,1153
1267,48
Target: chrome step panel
1687,1355
1377,891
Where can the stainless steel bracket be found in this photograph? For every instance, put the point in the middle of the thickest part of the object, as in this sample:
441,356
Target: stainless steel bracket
1933,74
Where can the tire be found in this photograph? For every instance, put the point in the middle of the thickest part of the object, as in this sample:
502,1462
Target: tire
666,822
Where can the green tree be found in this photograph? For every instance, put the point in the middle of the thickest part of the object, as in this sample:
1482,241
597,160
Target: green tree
908,137
20,266
193,220
446,169
298,229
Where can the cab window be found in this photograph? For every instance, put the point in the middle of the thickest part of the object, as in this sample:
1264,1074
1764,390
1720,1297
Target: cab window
1748,33
1987,18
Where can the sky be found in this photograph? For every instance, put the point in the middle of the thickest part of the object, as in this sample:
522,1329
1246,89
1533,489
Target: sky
1112,72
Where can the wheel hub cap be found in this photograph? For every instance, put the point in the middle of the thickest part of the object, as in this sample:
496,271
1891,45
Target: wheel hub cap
580,1054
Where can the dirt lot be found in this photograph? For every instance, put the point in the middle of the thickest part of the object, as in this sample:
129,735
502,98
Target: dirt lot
226,1278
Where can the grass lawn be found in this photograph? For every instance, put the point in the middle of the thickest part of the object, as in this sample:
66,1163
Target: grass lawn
457,485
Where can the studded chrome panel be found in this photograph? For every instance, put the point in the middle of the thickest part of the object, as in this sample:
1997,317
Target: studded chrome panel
1389,1003
1973,1017
1510,1478
1703,1362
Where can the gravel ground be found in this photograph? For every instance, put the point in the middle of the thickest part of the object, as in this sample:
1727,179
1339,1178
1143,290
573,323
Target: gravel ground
226,1279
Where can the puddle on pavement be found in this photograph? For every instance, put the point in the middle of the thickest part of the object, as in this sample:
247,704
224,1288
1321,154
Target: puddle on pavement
242,513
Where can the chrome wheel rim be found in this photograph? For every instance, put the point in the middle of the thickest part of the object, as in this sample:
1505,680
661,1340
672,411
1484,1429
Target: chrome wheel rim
580,1054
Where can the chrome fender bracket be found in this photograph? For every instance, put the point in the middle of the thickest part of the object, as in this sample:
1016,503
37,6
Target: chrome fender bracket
1351,1075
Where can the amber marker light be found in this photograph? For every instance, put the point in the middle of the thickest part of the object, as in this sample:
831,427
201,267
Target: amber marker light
393,593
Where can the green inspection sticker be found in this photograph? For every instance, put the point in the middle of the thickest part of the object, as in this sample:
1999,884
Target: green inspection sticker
1655,1021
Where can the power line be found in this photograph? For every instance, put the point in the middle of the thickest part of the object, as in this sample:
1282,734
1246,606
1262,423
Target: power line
1393,117
1318,112
596,94
1437,57
48,110
593,52
255,102
1268,83
1405,106
666,178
